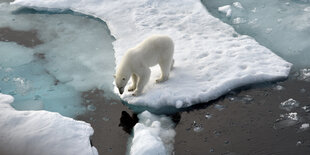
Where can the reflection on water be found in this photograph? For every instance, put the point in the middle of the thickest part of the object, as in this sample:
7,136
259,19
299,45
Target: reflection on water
127,122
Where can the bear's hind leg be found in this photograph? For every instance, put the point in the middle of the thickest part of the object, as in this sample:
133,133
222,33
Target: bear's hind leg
165,67
172,63
134,83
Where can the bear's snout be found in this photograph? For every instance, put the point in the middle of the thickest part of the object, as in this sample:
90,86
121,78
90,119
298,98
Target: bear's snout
121,90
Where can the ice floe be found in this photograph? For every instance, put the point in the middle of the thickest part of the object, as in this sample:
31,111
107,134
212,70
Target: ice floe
153,135
210,58
41,132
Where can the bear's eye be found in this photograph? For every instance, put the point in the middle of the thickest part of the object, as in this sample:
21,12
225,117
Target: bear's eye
123,79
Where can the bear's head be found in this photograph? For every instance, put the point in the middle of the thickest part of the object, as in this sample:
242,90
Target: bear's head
121,79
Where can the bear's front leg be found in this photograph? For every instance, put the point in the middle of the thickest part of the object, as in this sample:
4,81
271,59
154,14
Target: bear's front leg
134,82
143,78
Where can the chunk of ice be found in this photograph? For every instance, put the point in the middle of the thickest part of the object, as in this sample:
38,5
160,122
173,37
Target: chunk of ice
304,126
237,5
41,132
219,107
278,87
247,99
239,20
286,120
208,116
306,108
153,135
289,104
226,10
304,74
292,116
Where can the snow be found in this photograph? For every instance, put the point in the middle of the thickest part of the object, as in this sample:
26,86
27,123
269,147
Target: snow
210,58
41,132
153,135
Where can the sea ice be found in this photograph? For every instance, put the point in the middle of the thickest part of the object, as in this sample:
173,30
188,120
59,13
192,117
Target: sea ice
304,126
304,74
225,9
197,127
289,104
208,116
219,107
210,59
153,135
282,26
286,120
278,87
41,132
76,56
247,99
306,108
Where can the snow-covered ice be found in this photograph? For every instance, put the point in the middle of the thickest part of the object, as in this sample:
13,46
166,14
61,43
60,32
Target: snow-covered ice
153,135
210,58
41,132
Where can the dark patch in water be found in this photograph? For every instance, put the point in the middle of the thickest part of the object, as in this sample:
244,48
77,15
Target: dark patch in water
109,137
25,38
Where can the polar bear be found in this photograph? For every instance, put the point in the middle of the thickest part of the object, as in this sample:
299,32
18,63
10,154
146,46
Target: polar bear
136,63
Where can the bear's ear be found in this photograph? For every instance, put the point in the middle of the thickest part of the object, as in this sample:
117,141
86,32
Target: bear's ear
114,76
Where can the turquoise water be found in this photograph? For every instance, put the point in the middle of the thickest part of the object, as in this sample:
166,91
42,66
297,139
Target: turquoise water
76,56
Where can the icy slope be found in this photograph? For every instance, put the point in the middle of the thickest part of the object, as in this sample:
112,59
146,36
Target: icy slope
41,132
210,58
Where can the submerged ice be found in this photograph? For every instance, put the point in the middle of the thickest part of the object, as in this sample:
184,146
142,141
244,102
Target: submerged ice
76,56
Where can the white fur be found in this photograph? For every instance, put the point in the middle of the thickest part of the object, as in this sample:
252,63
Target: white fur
136,62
